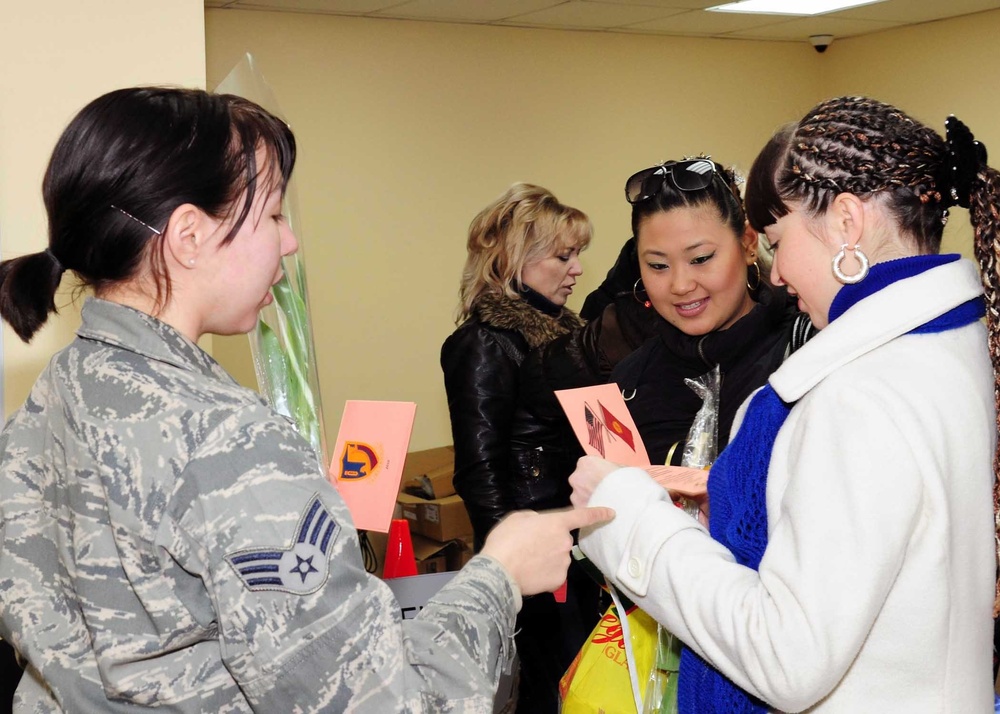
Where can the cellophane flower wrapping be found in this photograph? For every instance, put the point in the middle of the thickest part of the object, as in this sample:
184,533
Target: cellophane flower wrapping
284,355
700,452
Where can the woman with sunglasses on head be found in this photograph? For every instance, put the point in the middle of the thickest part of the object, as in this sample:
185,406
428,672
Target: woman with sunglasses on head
700,272
685,295
850,566
523,261
167,540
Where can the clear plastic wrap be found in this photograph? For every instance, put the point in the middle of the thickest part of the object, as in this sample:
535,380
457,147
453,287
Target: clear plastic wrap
700,452
281,344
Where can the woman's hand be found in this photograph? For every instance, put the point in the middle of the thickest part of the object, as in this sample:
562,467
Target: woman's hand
535,547
590,471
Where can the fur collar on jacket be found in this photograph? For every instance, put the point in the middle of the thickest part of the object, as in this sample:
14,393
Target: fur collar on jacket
537,328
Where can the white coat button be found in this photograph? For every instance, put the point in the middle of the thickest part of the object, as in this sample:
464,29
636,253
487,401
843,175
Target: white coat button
634,567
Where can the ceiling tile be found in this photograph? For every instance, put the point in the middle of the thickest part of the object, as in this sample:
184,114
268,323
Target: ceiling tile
800,29
585,14
337,7
670,4
465,10
914,11
705,23
671,17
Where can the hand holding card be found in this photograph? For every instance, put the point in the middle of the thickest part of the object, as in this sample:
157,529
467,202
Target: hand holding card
603,425
692,483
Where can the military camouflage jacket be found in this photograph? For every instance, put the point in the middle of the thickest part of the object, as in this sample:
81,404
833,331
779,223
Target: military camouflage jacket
166,539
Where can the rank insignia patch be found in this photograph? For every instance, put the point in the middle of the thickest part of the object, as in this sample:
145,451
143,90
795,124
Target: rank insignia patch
300,568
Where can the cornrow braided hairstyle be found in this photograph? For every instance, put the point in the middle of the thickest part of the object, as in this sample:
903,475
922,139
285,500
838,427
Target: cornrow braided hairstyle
967,181
866,147
985,216
853,145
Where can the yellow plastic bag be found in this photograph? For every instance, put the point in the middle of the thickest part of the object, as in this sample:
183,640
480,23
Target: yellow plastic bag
598,680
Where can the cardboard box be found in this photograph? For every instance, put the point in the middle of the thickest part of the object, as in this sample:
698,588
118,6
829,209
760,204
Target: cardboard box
436,483
431,556
429,473
441,519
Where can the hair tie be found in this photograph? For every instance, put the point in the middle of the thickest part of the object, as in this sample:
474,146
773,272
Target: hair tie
52,256
964,159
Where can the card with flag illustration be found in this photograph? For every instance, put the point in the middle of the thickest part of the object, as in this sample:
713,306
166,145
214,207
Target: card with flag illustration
602,423
367,462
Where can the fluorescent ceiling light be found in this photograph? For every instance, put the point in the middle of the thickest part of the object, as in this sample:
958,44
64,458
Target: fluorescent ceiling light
790,7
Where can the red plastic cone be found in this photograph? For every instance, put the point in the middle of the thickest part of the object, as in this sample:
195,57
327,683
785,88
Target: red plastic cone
399,560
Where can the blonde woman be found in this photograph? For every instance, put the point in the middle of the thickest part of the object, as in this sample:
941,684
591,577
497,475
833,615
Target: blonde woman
523,262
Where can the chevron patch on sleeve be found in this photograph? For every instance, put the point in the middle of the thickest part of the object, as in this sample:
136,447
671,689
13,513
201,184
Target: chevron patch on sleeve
299,568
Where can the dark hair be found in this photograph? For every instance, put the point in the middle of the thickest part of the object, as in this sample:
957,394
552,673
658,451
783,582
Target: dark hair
722,193
853,145
121,168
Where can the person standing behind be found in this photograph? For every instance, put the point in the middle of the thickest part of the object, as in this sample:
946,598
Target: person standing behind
167,540
850,564
523,262
700,273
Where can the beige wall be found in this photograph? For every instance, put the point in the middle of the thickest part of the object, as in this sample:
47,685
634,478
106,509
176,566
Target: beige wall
408,129
929,71
56,56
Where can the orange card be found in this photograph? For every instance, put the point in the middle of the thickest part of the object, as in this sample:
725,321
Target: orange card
603,424
680,479
368,458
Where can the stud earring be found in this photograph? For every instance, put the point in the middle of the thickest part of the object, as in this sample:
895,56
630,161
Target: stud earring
191,261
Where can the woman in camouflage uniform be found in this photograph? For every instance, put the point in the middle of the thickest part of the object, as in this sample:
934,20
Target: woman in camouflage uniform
166,539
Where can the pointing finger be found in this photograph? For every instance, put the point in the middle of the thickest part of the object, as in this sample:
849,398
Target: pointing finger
582,517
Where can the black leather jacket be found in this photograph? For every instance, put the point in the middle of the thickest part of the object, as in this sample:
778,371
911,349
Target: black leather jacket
505,459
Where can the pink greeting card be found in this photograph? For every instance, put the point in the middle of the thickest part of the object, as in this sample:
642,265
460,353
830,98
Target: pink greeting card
679,479
603,425
368,458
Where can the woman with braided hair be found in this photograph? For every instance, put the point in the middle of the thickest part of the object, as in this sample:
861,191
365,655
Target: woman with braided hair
849,560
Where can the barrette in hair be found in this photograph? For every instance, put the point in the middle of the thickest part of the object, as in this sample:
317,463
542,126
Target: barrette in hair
140,222
965,157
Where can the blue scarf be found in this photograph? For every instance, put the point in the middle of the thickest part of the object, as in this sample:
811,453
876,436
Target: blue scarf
738,483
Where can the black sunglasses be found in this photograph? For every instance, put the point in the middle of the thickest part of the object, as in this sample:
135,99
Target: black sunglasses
686,175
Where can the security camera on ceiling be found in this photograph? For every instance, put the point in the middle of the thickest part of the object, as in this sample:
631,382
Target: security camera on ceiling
820,42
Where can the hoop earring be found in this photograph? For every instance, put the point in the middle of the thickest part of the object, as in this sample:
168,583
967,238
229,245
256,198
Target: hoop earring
756,285
839,258
635,294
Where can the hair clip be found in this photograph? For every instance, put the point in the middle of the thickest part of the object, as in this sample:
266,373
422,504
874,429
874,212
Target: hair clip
140,222
965,157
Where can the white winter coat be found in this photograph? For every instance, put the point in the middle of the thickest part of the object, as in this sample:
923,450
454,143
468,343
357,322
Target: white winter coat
875,592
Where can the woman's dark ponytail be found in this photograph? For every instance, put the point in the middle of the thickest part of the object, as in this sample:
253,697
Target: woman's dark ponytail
124,163
27,291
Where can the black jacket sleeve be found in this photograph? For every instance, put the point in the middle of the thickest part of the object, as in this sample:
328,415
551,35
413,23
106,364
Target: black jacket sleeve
587,355
619,280
481,380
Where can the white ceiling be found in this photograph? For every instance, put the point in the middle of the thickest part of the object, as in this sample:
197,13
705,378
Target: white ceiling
655,17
